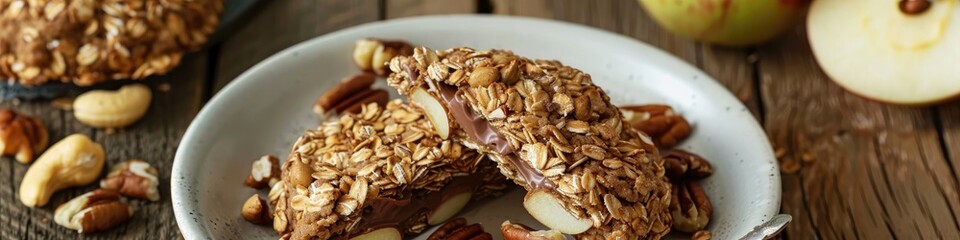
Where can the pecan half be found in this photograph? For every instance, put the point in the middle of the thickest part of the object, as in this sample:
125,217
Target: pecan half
264,172
256,210
372,55
702,235
457,229
355,103
516,231
665,126
683,165
133,178
94,211
690,207
350,95
21,135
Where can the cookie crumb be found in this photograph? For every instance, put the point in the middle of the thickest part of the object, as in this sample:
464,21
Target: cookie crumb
163,87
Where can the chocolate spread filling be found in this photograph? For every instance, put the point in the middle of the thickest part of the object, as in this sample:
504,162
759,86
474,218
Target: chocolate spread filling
478,128
481,130
401,213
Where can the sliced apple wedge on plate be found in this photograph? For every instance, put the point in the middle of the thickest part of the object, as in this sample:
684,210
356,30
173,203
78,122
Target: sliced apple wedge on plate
882,51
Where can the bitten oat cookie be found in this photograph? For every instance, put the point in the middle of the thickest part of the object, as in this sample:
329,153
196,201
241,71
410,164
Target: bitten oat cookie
379,174
90,41
551,130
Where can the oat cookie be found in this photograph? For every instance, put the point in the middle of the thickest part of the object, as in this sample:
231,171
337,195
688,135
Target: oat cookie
551,130
379,174
90,41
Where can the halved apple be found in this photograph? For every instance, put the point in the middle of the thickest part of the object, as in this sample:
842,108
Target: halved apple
875,50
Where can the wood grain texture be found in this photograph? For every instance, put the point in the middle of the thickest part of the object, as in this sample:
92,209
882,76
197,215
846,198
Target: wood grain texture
620,16
730,67
283,23
408,8
950,131
869,170
734,68
153,139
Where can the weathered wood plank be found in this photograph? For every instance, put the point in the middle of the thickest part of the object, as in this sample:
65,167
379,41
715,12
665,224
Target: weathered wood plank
734,68
869,170
529,8
623,16
283,23
407,8
153,139
731,67
950,131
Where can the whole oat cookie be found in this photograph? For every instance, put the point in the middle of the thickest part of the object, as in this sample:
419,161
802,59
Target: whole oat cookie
382,171
90,41
551,130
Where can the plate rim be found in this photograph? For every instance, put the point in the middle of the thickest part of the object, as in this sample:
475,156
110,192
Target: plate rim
178,191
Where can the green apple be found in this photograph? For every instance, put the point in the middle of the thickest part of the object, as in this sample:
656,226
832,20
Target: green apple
726,22
876,50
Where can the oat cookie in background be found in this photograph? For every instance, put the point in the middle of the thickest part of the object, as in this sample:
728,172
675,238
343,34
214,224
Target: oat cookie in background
89,41
552,131
380,174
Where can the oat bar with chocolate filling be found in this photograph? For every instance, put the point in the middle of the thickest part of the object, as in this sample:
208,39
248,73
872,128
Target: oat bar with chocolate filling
90,41
551,130
380,174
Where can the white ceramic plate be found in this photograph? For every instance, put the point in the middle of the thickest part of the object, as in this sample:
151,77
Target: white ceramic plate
265,109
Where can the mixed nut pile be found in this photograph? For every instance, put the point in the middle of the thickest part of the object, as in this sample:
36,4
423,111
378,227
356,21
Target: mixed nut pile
76,160
481,77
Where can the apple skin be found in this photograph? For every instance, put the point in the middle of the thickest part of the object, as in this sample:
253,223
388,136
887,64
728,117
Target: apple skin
934,102
733,23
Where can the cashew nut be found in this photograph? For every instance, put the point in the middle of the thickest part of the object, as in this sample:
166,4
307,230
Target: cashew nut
112,109
75,160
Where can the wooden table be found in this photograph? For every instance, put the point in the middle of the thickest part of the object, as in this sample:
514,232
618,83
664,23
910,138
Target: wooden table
853,168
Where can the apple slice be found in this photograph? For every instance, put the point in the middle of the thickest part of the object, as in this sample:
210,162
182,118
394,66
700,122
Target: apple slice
546,208
881,52
387,233
436,113
448,208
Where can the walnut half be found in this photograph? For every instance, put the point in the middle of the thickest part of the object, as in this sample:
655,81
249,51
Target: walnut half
22,136
264,172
